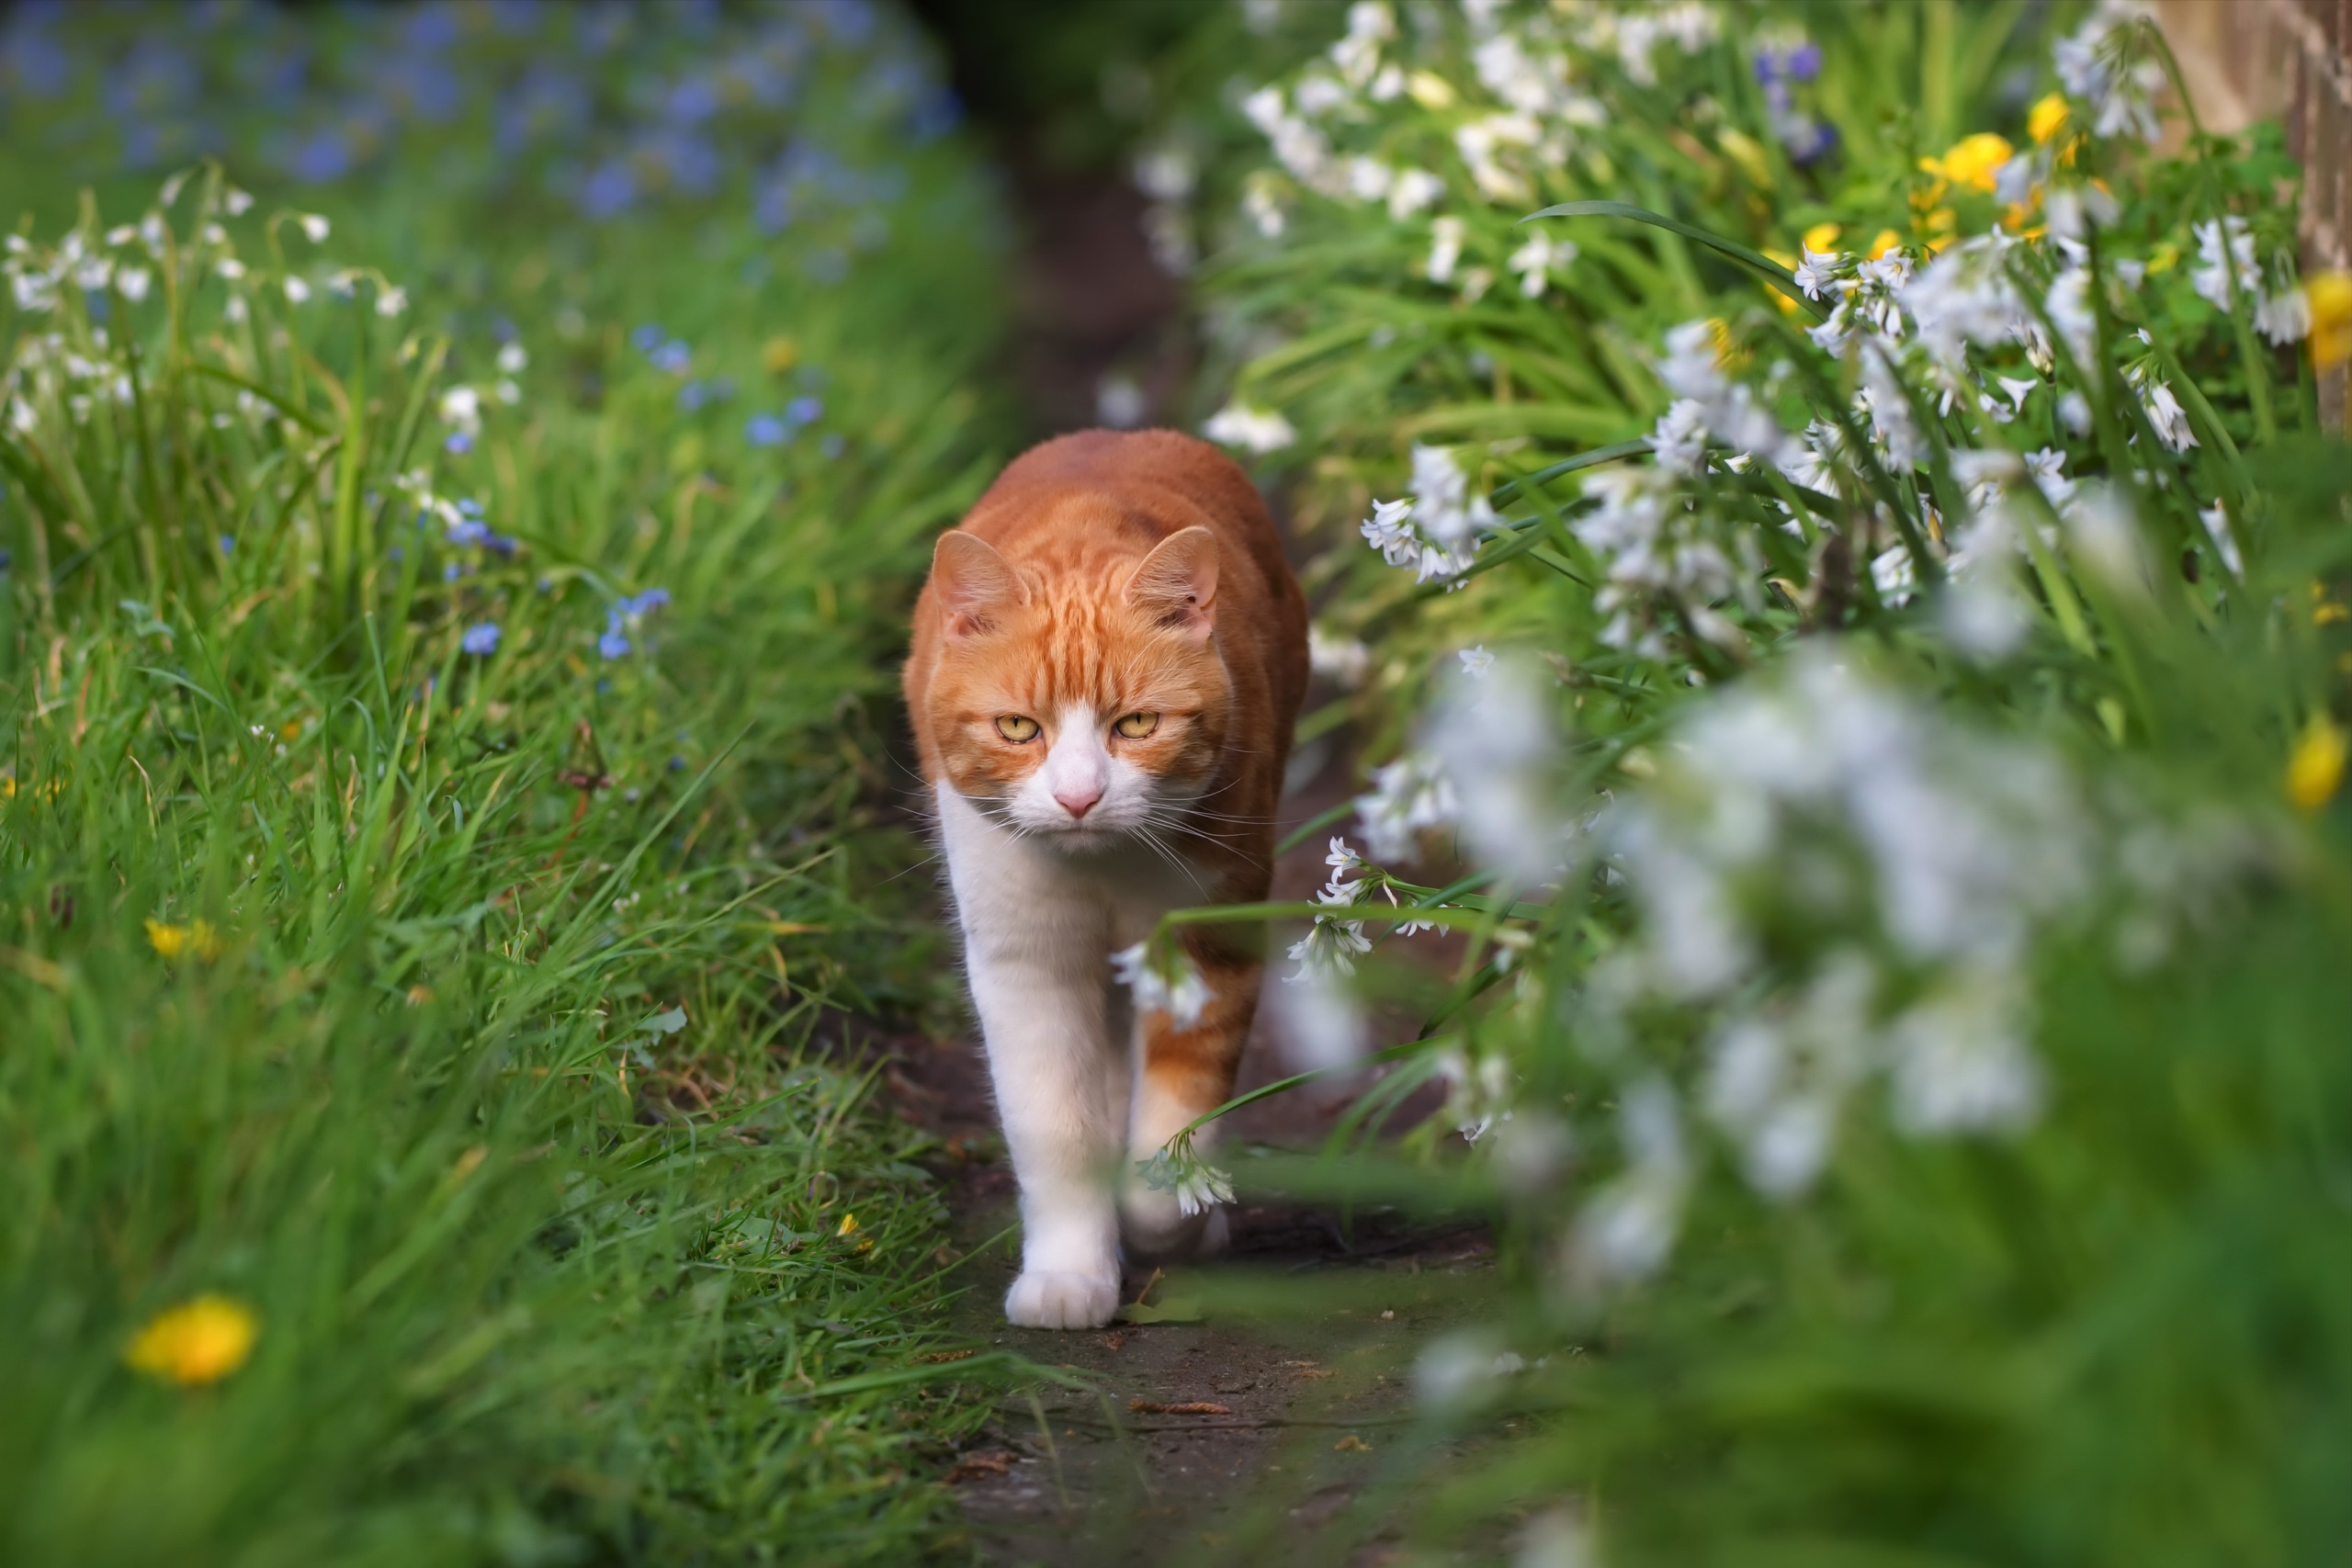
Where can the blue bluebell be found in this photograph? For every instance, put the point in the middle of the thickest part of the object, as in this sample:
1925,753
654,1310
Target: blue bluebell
480,639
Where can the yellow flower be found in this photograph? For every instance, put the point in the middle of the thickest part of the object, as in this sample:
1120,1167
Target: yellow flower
1822,238
779,354
196,938
1975,160
7,786
2316,768
197,1342
1728,354
1885,241
1788,305
2330,294
849,1223
1429,90
2047,117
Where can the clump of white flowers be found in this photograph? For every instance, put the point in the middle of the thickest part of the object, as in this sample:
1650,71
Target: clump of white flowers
1839,886
1437,530
1168,981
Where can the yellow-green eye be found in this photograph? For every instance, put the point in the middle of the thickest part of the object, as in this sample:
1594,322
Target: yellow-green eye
1017,729
1135,725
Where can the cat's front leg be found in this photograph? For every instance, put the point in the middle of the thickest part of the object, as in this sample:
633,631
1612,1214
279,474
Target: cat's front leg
1033,950
1185,1071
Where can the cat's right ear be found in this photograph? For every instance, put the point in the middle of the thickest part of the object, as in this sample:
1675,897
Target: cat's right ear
973,583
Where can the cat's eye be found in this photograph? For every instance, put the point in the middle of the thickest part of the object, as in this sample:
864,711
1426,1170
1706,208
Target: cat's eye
1017,729
1135,725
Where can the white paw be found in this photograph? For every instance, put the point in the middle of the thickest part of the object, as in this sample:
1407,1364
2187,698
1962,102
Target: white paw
1042,1300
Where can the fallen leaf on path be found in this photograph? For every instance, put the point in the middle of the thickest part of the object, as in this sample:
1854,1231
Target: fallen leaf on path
971,1467
1351,1444
1114,1341
1185,1407
948,1356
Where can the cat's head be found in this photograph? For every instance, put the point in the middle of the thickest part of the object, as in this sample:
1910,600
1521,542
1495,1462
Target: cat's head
1080,706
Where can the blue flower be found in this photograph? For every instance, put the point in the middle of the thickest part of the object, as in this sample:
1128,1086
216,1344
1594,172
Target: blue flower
481,640
609,191
228,545
614,644
647,338
320,158
766,430
459,444
672,357
651,599
805,409
692,396
451,571
1804,63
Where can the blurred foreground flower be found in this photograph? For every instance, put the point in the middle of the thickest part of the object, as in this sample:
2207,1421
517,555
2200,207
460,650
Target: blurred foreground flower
197,939
2330,294
197,1342
2315,771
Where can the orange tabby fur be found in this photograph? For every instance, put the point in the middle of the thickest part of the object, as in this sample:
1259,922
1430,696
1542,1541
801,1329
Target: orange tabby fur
1105,575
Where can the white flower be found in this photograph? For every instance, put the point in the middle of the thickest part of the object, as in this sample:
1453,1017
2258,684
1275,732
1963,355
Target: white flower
462,406
1626,1231
1261,204
2224,271
1412,191
1494,734
513,358
1536,260
1961,1062
238,202
1390,531
1680,440
1407,796
1201,1188
391,302
1252,429
1321,1023
296,291
230,267
1818,273
132,281
2163,409
1445,247
2284,317
1343,660
1177,988
2225,543
314,228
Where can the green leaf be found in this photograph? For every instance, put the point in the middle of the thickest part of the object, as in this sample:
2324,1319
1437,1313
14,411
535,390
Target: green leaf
1764,266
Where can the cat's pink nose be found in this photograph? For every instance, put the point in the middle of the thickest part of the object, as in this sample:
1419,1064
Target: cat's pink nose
1080,798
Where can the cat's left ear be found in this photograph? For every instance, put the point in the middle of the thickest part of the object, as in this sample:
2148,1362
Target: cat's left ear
1177,582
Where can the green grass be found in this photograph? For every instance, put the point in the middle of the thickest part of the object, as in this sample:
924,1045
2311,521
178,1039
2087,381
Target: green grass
499,1094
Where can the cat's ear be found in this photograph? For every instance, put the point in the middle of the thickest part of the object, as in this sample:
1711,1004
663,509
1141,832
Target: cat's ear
1176,584
973,583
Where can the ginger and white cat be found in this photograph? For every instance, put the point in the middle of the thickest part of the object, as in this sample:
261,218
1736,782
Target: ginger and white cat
1107,662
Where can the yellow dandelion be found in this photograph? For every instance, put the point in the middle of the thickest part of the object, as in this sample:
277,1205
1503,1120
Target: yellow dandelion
1886,240
2047,117
1822,238
1975,160
197,1342
196,940
2330,296
849,1225
2315,769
